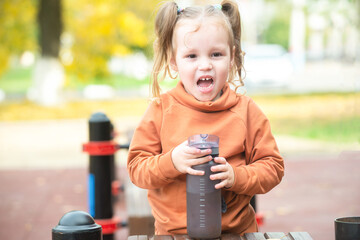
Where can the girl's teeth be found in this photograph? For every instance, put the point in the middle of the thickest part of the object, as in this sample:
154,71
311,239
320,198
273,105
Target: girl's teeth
205,82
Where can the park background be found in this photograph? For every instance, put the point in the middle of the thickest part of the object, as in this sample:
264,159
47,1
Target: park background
61,61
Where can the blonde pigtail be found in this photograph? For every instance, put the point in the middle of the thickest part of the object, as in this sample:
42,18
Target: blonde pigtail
231,10
164,26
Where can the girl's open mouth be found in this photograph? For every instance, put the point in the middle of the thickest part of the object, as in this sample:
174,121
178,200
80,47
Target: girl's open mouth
205,84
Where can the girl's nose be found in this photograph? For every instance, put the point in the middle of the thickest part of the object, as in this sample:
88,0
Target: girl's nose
205,64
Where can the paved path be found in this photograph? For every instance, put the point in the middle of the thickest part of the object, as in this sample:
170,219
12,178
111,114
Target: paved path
314,191
43,175
49,144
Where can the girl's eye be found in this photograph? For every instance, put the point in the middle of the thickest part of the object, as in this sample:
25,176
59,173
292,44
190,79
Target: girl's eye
191,56
217,54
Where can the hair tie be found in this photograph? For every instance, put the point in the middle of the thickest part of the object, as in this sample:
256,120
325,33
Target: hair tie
217,6
179,10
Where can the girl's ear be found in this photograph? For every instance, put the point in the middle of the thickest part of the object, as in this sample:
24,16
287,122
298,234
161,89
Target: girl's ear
173,65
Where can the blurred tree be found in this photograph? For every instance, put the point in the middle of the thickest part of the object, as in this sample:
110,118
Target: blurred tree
48,75
277,31
357,2
277,25
50,25
17,29
96,30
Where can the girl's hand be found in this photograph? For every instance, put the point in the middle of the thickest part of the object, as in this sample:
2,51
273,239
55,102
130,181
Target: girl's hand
223,172
184,157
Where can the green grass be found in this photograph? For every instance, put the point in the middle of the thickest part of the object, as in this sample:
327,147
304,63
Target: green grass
323,116
16,80
346,130
116,81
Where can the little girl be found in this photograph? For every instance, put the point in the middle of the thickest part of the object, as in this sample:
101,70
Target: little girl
202,44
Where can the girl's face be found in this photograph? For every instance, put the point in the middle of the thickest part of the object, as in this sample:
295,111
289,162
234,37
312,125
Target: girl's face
202,58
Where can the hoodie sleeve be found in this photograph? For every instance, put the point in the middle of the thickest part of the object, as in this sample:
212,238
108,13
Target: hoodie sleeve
147,165
264,167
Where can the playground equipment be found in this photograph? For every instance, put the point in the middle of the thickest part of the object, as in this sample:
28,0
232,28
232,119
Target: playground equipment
101,181
77,225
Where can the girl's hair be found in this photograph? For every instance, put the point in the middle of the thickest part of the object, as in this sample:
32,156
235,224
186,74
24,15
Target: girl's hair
166,19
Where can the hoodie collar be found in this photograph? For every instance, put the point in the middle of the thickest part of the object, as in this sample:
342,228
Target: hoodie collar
227,100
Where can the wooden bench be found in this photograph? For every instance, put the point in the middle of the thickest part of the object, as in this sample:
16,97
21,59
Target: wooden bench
247,236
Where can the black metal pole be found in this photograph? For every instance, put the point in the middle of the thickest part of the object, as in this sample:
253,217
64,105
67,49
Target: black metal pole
101,171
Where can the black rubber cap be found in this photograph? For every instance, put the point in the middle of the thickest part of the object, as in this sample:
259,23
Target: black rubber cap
77,225
99,117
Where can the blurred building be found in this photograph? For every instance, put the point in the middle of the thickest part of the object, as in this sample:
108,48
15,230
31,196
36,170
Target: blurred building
333,28
318,29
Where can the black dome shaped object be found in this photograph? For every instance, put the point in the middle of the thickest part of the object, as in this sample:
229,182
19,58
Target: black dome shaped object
77,225
76,218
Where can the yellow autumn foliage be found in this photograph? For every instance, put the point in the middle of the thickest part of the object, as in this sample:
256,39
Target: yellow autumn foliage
102,29
94,31
17,29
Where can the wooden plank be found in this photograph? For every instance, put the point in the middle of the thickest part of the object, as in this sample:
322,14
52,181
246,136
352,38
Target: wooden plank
132,238
161,237
142,225
231,236
138,237
277,235
254,236
143,237
300,236
182,237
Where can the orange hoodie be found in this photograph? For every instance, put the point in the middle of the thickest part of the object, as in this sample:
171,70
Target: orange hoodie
246,143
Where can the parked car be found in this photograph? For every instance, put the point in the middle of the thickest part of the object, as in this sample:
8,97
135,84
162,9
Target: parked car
267,65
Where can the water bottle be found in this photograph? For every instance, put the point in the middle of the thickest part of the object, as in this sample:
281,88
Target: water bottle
203,201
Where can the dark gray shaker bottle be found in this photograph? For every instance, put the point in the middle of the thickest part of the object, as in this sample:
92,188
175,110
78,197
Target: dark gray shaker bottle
203,201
